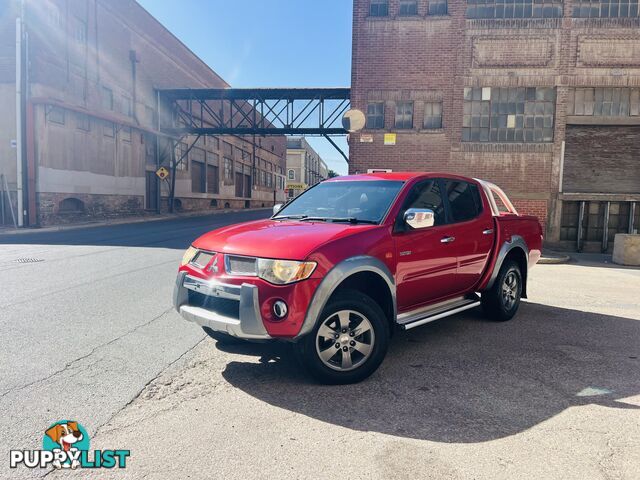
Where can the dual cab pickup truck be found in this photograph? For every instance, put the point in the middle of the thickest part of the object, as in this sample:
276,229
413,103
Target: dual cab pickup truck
337,270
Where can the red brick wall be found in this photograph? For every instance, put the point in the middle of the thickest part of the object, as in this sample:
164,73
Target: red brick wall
538,208
428,58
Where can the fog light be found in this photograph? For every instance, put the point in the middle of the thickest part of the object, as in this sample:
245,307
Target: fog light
280,309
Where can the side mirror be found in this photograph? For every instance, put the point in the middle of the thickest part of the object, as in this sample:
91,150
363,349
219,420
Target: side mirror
277,207
419,218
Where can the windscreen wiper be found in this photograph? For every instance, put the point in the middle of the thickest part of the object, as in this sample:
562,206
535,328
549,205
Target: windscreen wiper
353,220
291,217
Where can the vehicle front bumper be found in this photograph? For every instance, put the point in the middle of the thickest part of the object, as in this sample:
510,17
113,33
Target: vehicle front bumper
247,325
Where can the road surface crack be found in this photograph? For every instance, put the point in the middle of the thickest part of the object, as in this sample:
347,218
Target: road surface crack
144,387
70,364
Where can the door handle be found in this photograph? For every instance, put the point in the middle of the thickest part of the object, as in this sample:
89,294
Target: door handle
488,231
447,239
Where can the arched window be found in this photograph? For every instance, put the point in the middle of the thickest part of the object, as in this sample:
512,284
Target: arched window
292,174
71,205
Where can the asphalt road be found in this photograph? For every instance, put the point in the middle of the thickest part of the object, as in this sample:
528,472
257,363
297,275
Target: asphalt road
555,393
90,323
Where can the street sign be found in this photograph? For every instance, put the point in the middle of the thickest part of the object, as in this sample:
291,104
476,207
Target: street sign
162,172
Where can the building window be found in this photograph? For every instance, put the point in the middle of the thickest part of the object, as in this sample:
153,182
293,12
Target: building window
182,156
379,8
292,174
438,7
375,115
514,8
605,9
54,17
432,115
408,8
227,149
107,98
605,102
404,115
125,134
82,122
55,115
108,129
80,31
127,108
228,171
524,115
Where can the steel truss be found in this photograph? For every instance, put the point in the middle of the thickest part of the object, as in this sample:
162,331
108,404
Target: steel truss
253,111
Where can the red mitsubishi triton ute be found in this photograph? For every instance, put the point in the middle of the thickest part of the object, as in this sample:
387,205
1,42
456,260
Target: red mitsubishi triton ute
338,269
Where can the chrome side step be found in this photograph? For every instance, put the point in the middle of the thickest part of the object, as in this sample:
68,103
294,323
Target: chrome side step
431,313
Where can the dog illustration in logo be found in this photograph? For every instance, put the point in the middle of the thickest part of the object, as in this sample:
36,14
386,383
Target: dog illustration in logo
66,435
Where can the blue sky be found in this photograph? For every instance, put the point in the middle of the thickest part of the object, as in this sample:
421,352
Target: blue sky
276,43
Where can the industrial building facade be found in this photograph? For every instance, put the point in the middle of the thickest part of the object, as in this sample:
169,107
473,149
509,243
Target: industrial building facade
89,139
541,97
305,167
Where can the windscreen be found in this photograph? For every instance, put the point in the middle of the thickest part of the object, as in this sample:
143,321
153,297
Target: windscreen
364,201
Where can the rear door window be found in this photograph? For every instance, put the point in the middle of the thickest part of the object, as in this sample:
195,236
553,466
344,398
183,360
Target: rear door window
464,200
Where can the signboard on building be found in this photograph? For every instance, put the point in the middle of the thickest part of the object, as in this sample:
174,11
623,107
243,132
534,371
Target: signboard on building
366,138
389,138
296,186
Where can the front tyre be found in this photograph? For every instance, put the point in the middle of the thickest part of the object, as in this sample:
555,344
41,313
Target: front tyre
502,300
349,341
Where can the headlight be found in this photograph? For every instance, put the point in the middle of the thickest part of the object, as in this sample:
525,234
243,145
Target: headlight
282,272
188,255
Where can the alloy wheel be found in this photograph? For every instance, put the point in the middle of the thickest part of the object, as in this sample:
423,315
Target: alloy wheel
345,340
510,290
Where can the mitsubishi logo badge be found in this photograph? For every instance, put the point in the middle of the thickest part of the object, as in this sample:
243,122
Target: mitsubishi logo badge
214,266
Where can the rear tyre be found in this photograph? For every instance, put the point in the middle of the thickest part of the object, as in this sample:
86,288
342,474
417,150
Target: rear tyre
349,341
222,338
501,301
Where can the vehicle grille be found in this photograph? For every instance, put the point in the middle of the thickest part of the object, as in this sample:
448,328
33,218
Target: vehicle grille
241,265
222,306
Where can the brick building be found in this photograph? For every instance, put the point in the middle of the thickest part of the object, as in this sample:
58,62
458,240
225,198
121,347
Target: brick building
542,97
90,75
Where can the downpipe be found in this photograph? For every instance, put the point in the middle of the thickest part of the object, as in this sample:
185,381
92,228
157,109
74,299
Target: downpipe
19,150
